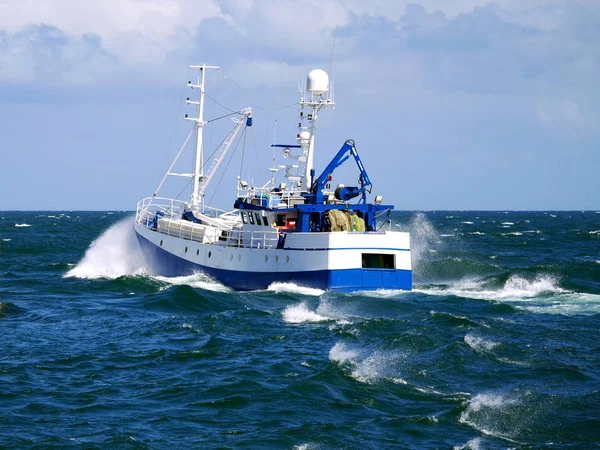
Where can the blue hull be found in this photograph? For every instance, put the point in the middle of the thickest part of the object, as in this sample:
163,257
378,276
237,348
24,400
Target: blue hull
346,280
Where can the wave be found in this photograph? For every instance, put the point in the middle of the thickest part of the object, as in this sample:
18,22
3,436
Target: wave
197,280
540,295
499,415
300,314
292,288
114,254
479,344
516,287
325,312
473,444
368,368
22,225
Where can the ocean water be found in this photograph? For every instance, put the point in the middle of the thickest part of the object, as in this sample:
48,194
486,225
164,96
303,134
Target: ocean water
497,346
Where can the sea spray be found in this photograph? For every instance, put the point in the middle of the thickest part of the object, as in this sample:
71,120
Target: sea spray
423,240
114,254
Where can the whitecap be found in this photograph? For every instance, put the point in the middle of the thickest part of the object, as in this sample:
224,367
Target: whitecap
197,280
340,353
22,225
370,368
485,413
479,344
473,444
467,223
507,223
516,287
597,232
292,288
300,313
513,233
479,233
9,239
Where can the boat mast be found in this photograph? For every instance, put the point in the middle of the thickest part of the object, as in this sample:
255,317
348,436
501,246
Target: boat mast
321,96
197,200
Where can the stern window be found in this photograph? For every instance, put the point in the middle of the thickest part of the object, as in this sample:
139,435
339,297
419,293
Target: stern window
378,261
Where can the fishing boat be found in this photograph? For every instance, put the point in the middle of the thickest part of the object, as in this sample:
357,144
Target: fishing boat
295,229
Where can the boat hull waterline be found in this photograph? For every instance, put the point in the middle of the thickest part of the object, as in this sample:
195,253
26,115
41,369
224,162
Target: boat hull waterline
244,268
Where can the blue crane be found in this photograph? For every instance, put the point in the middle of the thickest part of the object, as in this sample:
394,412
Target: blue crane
345,193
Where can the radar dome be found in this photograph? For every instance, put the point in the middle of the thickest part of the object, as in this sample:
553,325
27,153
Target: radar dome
317,82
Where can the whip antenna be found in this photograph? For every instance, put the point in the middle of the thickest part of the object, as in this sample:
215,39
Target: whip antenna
332,48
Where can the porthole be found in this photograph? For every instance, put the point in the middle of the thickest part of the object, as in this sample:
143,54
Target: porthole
186,249
197,252
287,258
161,242
266,258
209,254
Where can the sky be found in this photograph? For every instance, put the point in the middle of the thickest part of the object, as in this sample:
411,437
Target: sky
454,105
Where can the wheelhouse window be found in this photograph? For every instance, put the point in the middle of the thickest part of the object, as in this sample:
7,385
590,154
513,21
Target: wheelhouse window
251,218
244,219
280,220
378,261
265,221
257,219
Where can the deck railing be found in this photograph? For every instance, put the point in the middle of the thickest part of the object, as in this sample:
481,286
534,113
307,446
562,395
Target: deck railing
163,216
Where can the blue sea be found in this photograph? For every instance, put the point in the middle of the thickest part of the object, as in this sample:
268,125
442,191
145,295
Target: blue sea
497,346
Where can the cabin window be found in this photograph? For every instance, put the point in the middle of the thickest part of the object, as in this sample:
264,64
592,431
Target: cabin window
251,218
244,219
280,220
257,219
265,221
378,261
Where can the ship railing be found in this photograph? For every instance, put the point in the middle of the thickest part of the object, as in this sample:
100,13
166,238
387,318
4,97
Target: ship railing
272,197
250,239
147,209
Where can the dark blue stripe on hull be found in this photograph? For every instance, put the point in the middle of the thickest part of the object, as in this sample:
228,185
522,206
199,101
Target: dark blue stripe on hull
169,265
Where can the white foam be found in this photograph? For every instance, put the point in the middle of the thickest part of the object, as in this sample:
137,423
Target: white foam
341,354
507,223
8,240
380,293
473,444
378,365
300,313
513,233
22,225
485,410
295,289
595,232
196,280
479,344
479,233
515,288
114,254
468,223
